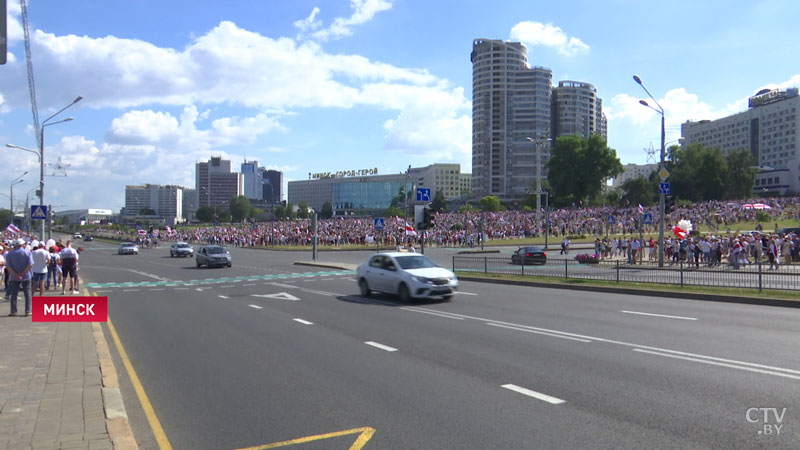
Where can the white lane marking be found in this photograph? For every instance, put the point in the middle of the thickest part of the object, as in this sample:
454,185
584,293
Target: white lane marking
769,369
308,281
159,289
199,289
381,346
222,296
227,286
732,366
107,290
280,295
537,395
304,322
538,332
256,306
129,290
659,315
312,291
181,289
149,275
465,293
448,316
249,284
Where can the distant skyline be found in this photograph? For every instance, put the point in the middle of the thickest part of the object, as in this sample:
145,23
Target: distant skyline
326,86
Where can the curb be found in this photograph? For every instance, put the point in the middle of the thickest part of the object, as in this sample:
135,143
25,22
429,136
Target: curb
329,265
117,425
646,292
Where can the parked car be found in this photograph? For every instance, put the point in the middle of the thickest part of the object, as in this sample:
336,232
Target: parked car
529,256
408,275
785,231
180,249
76,236
88,238
212,255
128,248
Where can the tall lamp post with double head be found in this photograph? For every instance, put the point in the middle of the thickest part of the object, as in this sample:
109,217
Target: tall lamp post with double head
539,142
16,181
661,195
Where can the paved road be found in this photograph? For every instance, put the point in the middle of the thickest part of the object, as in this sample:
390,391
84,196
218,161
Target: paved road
267,351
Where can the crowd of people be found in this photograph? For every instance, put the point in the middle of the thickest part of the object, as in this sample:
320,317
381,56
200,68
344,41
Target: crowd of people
468,228
29,266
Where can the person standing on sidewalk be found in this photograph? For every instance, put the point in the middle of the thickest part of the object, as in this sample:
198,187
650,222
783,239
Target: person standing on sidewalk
69,268
41,258
19,263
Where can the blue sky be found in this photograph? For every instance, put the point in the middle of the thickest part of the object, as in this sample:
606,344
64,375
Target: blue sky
313,86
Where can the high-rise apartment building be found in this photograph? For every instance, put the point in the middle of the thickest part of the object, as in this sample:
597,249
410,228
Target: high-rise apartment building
215,184
165,201
511,102
768,129
578,110
273,185
252,175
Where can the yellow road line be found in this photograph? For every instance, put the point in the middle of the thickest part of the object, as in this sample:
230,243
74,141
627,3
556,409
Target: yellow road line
364,436
155,425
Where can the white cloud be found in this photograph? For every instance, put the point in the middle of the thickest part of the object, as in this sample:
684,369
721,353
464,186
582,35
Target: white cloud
363,12
547,35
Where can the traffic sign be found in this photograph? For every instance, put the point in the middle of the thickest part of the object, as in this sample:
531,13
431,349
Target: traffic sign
610,219
663,188
39,212
648,219
380,223
423,194
663,174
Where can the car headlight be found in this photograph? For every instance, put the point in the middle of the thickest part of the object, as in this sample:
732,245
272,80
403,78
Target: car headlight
421,279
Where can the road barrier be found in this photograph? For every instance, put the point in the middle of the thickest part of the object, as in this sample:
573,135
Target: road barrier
751,276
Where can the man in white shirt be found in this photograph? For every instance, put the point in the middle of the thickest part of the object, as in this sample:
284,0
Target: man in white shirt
69,267
41,258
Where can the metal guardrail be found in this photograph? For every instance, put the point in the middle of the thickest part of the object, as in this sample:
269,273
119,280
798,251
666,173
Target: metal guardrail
754,276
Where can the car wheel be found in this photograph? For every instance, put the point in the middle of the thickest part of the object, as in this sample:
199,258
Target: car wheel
364,287
198,264
447,297
171,255
405,296
229,265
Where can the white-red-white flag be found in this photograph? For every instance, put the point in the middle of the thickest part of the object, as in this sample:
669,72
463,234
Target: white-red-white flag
12,228
410,230
641,209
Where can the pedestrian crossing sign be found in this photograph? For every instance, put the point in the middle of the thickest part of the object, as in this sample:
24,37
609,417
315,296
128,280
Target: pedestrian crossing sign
39,212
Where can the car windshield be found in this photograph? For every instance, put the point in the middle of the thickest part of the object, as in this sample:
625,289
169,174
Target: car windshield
215,250
415,262
183,245
127,245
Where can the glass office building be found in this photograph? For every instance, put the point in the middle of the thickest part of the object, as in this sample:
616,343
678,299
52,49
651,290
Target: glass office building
350,195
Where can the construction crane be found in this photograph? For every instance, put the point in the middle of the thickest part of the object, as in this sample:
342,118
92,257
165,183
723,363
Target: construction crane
31,86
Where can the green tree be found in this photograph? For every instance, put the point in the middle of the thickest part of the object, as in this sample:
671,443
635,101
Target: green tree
466,208
741,175
698,173
490,203
327,211
394,211
205,214
302,210
289,212
579,167
239,208
279,211
639,191
399,200
5,217
257,213
439,204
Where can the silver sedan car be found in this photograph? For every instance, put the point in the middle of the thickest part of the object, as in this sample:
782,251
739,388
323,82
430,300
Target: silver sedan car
408,275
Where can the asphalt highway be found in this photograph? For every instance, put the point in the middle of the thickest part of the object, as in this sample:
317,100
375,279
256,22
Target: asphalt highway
268,351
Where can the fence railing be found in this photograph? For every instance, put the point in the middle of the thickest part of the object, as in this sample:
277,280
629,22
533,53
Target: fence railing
754,276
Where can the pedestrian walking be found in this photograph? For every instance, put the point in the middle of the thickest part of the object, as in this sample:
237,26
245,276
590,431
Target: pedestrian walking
69,268
41,259
19,263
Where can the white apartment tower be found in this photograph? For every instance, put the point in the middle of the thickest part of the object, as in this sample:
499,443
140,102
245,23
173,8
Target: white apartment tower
578,110
511,102
768,129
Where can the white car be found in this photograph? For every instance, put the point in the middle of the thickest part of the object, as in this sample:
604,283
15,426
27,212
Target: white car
180,249
409,275
128,248
76,236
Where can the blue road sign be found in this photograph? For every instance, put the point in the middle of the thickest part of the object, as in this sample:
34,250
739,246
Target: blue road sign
380,223
39,212
663,188
423,194
648,219
610,219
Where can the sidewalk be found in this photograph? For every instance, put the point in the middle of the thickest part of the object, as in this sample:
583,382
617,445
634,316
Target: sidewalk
51,386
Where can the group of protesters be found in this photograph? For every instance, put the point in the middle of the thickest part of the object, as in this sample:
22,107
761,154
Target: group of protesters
29,265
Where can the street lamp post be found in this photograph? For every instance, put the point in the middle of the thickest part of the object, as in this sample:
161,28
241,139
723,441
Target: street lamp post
41,150
539,143
17,180
661,195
